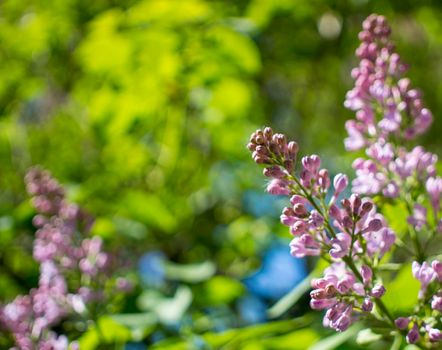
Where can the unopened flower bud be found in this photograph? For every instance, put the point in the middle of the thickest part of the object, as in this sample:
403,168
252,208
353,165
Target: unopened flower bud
378,291
366,208
437,268
366,274
436,303
300,210
274,171
367,305
268,133
434,334
318,294
402,322
251,146
340,182
374,225
330,290
334,212
320,304
293,149
356,203
413,335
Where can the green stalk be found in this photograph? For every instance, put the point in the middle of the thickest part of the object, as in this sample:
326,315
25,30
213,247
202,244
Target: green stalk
420,255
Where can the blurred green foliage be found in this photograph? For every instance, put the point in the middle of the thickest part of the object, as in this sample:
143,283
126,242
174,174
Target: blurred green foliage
144,107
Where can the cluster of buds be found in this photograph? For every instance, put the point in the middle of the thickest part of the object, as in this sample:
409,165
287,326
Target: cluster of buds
346,232
344,295
360,230
269,148
63,250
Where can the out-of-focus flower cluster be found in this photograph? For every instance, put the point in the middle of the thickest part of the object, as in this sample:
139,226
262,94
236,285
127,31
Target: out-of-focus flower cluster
353,237
388,112
73,269
386,106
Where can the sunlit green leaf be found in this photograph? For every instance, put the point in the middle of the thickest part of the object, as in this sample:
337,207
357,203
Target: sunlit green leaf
139,324
367,336
396,216
337,339
168,310
222,290
402,292
192,273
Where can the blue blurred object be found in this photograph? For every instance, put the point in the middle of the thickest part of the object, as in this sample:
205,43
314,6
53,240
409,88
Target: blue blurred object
198,343
252,309
157,336
279,273
135,346
260,204
151,268
221,317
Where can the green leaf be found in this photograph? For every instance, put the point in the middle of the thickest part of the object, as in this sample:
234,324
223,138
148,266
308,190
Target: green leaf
402,292
297,340
236,47
103,227
367,336
397,342
89,340
222,290
412,347
396,216
148,209
111,331
191,273
335,340
130,228
139,324
236,338
168,310
106,331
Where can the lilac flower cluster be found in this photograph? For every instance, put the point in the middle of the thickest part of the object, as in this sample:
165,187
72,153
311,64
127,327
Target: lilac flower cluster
30,317
430,296
352,236
63,252
349,233
390,169
388,112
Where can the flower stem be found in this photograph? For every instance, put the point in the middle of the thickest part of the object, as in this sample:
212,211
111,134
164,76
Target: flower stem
420,256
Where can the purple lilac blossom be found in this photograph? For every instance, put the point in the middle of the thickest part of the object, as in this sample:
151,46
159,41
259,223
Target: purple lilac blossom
380,85
430,294
341,231
389,111
62,249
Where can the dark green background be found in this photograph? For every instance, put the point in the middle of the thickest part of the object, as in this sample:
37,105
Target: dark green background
143,109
